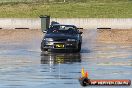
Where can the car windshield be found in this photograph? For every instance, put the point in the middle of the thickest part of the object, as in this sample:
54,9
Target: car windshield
66,29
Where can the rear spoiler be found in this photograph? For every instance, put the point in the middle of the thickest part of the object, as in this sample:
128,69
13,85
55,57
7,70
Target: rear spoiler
79,28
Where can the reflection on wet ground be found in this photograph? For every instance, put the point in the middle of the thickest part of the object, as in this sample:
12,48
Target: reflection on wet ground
60,58
23,65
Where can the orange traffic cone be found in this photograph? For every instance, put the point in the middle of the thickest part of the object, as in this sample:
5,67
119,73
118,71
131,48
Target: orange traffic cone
84,74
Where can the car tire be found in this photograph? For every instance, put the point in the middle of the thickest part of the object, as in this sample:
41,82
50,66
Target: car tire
42,49
79,47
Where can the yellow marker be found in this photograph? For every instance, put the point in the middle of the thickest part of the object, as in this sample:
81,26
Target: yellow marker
83,72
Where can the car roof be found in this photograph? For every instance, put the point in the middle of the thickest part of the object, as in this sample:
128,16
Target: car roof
62,25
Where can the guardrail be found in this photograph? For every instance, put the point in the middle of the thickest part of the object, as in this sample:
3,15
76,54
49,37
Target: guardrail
86,23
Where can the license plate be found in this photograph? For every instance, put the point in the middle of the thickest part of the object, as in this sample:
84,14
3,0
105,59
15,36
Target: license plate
59,45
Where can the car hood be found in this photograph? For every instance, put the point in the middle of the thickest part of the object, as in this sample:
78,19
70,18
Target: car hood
62,36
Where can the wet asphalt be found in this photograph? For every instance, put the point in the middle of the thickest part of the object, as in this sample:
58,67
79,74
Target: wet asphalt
23,65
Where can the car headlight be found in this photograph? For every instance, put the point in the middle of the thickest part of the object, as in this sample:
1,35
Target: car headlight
71,39
48,39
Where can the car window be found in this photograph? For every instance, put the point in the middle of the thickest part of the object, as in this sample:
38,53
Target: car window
62,29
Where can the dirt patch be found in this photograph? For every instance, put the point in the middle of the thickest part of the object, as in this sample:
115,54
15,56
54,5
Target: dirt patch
103,35
115,35
21,35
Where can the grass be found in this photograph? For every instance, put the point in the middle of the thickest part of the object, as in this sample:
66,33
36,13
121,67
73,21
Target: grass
91,9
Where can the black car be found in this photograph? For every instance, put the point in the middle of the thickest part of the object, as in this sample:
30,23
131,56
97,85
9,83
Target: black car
62,38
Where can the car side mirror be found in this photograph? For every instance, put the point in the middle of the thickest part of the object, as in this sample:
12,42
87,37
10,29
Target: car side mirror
44,31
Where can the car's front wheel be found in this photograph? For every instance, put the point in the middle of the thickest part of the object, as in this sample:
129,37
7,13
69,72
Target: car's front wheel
43,49
79,47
